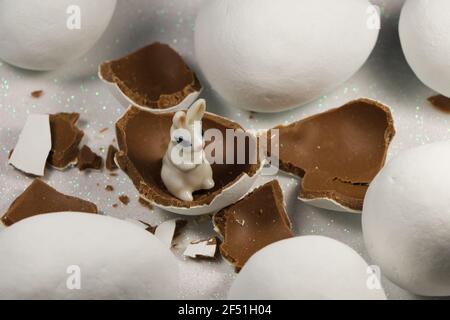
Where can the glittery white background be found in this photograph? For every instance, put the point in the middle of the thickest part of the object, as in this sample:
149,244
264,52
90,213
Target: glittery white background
76,88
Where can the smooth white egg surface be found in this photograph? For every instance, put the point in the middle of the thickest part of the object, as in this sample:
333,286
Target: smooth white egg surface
306,268
270,56
84,256
425,36
46,34
406,220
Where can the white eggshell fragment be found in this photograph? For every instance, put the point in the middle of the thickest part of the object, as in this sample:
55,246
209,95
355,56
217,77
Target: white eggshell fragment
306,268
83,256
270,56
46,34
425,36
35,142
406,220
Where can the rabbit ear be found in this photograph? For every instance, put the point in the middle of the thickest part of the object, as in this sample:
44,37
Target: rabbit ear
196,111
179,120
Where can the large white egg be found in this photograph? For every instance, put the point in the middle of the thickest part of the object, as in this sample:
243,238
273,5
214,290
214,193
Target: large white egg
270,56
406,220
425,37
45,34
84,256
306,268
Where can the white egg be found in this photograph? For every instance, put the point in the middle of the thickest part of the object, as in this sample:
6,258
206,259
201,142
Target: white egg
406,220
425,37
306,268
84,256
45,34
270,56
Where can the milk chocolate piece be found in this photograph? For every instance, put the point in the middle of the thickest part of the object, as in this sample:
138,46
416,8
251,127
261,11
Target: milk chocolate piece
40,198
155,77
338,152
66,138
149,228
253,223
110,163
124,199
89,160
37,94
440,102
143,138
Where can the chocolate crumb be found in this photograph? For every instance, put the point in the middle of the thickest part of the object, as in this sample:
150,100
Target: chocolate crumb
115,205
104,130
113,174
124,199
110,163
440,102
109,188
89,160
37,94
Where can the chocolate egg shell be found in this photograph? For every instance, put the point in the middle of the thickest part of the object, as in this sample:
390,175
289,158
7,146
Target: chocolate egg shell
154,78
143,138
337,153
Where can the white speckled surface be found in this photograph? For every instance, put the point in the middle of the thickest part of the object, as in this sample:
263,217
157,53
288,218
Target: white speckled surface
386,77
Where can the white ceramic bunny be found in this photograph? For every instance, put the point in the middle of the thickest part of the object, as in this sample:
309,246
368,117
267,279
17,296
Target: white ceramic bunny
185,168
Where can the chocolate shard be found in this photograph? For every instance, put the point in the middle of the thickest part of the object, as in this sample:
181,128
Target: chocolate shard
203,249
155,77
110,162
40,198
143,138
338,152
124,199
37,94
89,160
440,102
253,223
66,138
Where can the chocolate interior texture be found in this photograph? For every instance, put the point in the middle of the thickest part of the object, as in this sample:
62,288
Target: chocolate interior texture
40,198
143,138
338,152
89,160
253,223
66,138
155,76
440,102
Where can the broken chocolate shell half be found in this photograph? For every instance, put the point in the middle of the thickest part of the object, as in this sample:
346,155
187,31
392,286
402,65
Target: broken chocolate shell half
143,138
154,78
337,153
66,138
40,198
253,223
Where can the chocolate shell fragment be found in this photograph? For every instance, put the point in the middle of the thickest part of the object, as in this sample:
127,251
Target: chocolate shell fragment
110,162
440,102
66,138
155,77
337,153
89,160
253,223
40,198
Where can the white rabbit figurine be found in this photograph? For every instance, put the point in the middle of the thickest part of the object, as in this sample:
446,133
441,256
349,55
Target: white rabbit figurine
185,168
